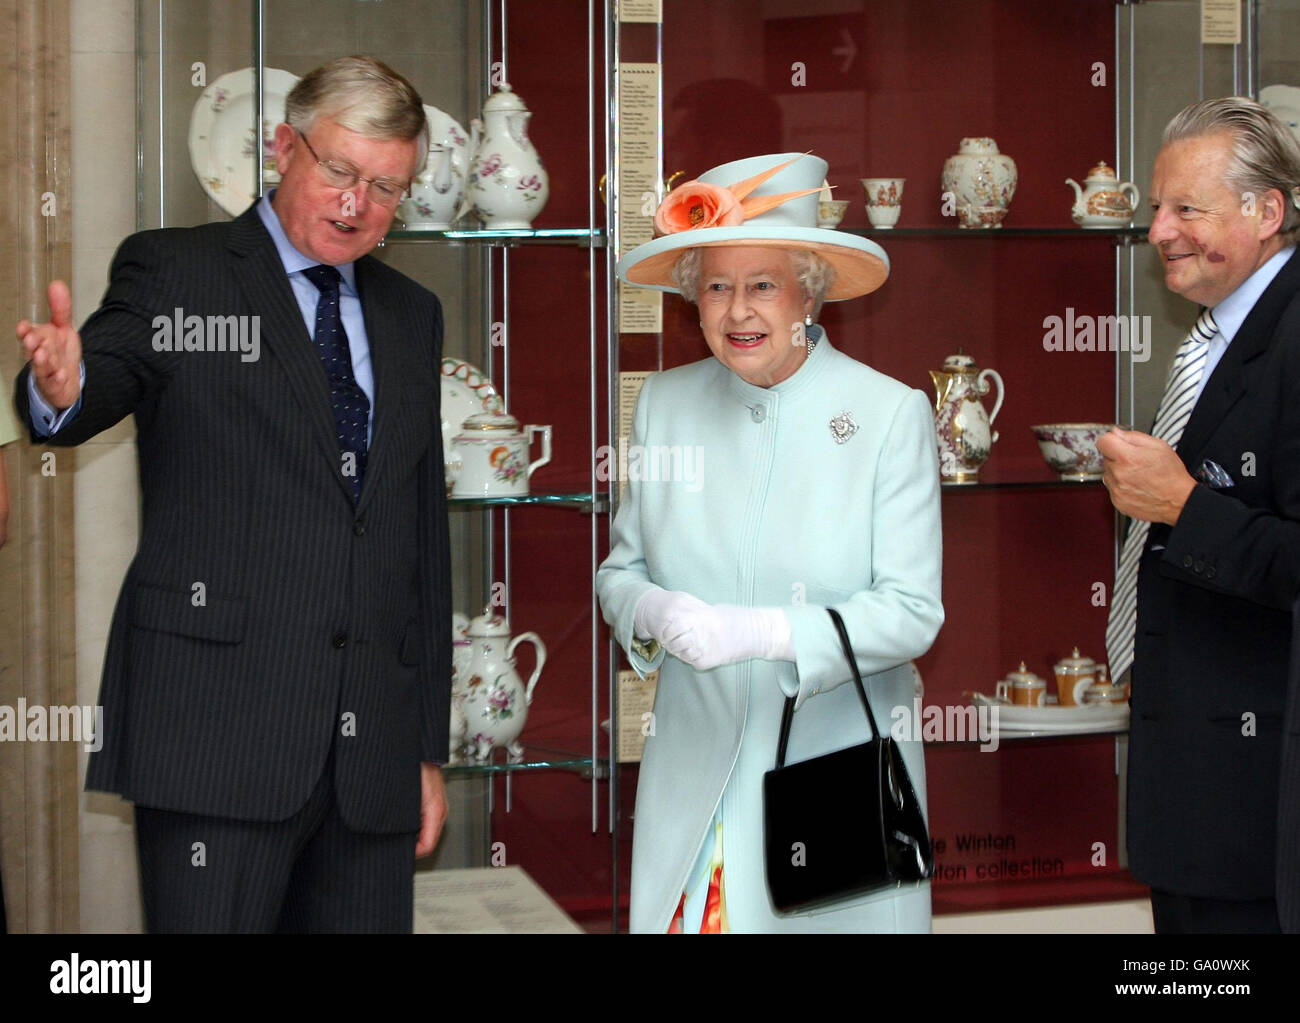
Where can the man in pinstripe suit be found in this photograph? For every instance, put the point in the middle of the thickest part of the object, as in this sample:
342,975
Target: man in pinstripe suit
277,680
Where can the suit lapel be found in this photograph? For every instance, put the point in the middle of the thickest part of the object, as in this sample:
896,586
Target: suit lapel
383,331
264,283
1233,375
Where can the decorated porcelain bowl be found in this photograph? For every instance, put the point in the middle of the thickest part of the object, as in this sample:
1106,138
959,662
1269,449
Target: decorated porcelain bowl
1070,449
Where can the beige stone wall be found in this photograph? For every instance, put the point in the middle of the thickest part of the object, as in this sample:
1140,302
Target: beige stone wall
423,40
104,212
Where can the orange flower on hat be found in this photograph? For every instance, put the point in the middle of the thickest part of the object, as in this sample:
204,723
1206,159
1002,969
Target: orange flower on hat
696,204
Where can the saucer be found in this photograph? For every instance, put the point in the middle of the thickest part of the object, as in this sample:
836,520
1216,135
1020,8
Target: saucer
1100,717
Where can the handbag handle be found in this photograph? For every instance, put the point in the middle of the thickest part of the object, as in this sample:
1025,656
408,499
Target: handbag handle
787,714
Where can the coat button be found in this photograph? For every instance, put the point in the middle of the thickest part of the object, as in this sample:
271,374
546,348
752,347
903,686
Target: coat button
359,527
340,640
1187,561
758,413
1209,572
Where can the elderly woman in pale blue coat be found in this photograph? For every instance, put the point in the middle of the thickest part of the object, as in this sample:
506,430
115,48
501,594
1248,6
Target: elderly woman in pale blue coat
813,483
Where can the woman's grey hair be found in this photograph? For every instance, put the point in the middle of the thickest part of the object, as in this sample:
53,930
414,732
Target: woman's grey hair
815,275
363,95
1265,155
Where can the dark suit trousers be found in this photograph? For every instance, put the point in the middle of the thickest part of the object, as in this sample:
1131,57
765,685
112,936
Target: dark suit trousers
1188,914
308,874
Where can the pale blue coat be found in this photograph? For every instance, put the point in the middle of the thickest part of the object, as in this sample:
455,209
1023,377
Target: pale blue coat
775,513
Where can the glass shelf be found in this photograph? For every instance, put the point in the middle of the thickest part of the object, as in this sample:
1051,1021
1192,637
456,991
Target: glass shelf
580,236
538,758
583,501
1006,735
956,488
1131,234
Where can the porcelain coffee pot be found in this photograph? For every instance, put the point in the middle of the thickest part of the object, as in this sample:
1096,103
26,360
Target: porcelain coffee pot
496,698
1104,200
965,430
508,185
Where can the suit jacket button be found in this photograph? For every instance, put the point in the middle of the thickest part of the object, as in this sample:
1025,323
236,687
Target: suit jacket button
340,640
1209,572
359,527
1199,567
1187,561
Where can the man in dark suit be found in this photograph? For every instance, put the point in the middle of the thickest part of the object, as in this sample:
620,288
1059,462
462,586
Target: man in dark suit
1211,566
1288,811
277,680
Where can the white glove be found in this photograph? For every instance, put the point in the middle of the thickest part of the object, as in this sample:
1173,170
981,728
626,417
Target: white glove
709,635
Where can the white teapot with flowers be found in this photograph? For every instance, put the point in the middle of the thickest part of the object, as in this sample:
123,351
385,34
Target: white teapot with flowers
496,698
507,185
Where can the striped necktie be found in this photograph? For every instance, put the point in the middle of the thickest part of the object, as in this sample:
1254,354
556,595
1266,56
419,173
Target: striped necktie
1175,409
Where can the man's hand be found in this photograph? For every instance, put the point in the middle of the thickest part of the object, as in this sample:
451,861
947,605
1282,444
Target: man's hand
54,350
433,808
1145,476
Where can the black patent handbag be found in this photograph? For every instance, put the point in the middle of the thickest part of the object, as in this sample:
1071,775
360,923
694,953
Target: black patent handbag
843,825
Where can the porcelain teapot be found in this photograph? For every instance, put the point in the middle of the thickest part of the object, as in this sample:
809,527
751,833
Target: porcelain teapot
507,185
965,431
496,699
492,449
1104,200
436,192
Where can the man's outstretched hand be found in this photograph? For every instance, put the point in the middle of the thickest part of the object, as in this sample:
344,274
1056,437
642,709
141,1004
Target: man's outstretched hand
54,350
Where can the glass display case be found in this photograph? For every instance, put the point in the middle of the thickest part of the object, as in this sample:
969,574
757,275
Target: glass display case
876,89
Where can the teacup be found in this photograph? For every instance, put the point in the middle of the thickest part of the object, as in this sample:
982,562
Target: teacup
831,211
884,200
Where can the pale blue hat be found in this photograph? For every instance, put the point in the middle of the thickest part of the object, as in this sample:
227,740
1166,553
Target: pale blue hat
861,265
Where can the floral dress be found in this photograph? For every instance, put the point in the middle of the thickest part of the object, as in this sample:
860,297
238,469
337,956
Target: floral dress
705,897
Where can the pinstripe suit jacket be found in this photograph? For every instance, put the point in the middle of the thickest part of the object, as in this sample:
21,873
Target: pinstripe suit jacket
1288,815
317,622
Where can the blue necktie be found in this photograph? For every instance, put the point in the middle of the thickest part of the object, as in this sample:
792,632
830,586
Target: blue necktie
351,407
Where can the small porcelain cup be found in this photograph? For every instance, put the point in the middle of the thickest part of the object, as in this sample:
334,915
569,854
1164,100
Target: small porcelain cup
884,200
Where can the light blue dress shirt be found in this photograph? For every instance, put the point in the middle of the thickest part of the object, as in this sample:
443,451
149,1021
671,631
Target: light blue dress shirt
46,421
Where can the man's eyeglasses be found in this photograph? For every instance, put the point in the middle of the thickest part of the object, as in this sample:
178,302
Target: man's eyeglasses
384,191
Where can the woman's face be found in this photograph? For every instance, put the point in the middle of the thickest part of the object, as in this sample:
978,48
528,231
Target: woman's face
752,310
